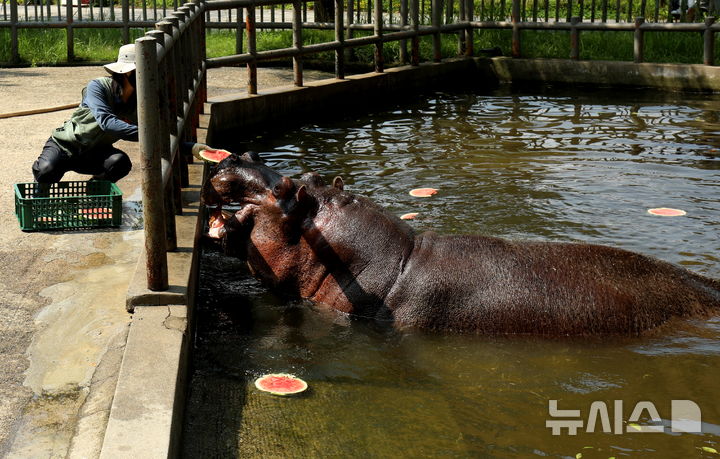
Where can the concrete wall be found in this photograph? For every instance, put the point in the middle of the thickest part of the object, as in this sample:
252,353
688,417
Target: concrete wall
235,115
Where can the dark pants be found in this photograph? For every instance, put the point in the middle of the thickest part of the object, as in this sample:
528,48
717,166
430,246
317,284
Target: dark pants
107,163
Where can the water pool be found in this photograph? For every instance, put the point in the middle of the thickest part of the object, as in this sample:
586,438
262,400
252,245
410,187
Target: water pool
551,164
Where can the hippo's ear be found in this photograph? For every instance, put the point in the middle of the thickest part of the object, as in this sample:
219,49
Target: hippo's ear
283,188
338,183
304,199
252,156
313,178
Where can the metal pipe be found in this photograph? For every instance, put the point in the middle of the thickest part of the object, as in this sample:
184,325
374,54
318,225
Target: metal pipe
340,38
378,27
251,39
415,41
574,38
70,37
709,42
516,34
435,9
14,48
638,41
148,126
297,43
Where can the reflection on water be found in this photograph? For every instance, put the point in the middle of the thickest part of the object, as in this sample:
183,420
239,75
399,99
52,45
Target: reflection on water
548,165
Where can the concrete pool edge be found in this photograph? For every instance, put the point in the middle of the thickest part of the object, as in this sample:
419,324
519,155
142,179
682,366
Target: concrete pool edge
145,418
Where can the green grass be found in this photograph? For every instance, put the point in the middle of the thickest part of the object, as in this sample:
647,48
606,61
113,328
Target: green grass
48,47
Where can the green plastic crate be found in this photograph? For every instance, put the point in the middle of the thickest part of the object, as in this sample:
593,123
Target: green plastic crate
68,205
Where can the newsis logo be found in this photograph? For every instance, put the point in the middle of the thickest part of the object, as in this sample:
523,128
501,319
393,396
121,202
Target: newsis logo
685,417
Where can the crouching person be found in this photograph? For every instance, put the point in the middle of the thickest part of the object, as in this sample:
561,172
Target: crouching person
84,143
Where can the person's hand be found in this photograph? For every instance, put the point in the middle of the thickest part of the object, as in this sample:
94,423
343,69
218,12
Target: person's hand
197,148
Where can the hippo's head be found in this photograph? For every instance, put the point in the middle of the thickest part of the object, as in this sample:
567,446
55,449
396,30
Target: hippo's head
262,195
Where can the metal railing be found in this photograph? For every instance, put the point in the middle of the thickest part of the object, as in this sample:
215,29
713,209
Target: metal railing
171,90
359,15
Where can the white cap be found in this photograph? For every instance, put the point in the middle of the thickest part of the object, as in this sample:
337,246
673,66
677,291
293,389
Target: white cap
125,61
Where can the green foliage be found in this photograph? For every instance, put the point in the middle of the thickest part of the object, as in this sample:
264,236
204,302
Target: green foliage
49,46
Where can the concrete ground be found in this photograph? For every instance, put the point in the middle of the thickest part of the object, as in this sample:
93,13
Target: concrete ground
63,321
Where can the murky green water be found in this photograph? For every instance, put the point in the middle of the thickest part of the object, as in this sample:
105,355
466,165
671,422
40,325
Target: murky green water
550,165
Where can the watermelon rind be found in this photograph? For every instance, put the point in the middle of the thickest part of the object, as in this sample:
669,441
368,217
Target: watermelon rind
260,380
206,155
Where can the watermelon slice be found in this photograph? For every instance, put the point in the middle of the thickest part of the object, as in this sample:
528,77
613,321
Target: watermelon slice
214,156
96,213
281,384
423,192
667,212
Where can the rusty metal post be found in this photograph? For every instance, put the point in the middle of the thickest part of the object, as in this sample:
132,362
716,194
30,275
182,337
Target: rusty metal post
148,124
403,25
516,32
297,42
638,41
14,47
252,49
70,33
435,11
709,42
574,38
415,42
172,189
340,38
171,81
349,31
378,29
125,4
239,26
461,34
469,16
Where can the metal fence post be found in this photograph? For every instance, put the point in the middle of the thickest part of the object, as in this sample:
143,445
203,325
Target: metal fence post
709,42
435,11
252,50
150,145
340,38
574,38
638,41
125,4
415,42
297,42
469,16
379,58
516,48
14,48
70,35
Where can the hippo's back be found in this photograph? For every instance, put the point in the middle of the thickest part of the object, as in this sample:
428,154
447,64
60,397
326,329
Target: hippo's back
491,285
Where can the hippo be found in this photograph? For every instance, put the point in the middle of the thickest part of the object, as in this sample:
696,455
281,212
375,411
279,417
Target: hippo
342,251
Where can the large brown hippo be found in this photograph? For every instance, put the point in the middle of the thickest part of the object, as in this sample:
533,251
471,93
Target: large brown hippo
343,251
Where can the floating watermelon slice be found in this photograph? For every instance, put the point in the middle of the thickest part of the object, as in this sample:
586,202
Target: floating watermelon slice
423,192
281,384
214,156
667,212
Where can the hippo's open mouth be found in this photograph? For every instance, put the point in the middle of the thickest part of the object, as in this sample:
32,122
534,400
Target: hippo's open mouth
216,223
222,219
